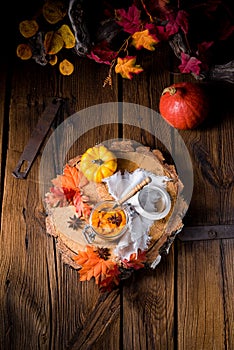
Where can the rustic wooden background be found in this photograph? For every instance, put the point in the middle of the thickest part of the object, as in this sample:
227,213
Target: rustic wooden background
187,301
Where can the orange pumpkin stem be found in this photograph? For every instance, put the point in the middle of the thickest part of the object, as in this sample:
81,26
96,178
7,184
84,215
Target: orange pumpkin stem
170,89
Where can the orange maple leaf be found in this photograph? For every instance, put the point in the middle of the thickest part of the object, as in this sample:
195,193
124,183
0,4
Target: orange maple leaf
92,265
70,178
127,66
143,40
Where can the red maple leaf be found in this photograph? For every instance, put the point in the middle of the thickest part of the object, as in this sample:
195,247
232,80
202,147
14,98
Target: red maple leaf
101,53
59,196
177,21
130,19
189,64
81,205
136,261
111,281
159,32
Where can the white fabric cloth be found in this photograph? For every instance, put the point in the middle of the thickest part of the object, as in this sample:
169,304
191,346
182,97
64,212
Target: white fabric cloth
137,236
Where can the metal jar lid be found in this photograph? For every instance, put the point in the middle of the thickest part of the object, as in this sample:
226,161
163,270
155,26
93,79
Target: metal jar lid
153,202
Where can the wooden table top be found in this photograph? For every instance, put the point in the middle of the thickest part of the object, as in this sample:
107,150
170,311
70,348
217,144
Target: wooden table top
187,301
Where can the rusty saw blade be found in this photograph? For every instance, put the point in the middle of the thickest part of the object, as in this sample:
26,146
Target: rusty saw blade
37,137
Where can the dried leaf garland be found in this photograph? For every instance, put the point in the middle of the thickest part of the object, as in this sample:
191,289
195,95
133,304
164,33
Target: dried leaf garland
123,31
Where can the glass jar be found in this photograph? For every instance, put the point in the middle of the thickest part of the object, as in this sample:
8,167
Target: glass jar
152,202
107,221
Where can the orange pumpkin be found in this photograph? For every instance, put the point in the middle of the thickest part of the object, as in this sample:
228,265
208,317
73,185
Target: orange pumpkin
183,105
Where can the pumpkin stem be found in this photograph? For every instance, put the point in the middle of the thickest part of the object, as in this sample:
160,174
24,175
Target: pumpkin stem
170,89
98,161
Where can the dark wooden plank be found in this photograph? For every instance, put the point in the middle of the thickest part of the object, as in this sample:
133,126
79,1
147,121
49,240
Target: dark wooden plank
211,151
3,124
148,308
227,249
201,319
45,306
200,264
148,302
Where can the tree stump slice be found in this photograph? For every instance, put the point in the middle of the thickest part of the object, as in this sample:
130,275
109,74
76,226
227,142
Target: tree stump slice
162,232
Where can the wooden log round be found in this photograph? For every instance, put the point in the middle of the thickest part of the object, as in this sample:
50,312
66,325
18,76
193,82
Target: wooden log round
162,232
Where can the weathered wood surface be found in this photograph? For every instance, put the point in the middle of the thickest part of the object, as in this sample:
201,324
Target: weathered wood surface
187,301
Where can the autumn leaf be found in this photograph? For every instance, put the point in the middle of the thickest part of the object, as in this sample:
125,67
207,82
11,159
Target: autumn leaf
130,19
189,64
67,190
81,205
110,282
101,53
70,178
53,42
67,35
92,265
158,32
136,261
127,67
143,40
177,21
59,197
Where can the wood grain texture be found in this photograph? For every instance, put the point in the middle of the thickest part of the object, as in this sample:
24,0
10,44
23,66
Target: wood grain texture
226,250
3,120
148,312
148,308
44,303
187,301
211,151
211,204
200,297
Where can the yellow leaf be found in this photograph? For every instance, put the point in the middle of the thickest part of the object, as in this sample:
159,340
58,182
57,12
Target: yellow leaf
28,28
66,67
67,35
53,42
126,67
53,11
24,51
143,40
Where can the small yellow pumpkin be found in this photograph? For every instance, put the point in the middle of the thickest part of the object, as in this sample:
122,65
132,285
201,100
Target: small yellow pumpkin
97,163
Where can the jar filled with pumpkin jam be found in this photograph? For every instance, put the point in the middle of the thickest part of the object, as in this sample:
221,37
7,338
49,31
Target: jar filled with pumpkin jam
108,222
